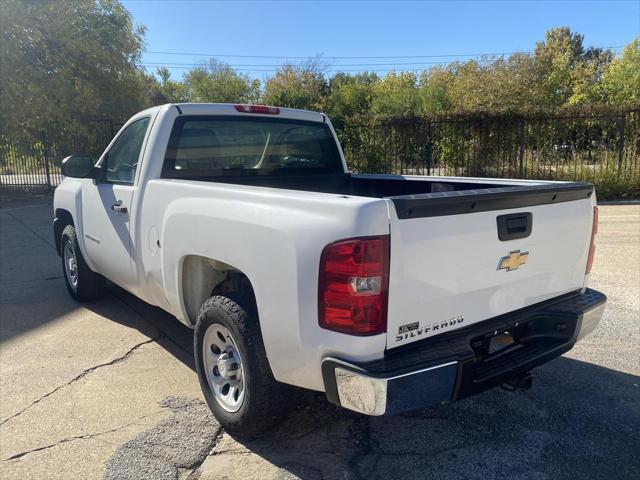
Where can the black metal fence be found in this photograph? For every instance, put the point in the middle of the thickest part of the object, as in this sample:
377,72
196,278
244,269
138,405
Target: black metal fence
31,156
600,146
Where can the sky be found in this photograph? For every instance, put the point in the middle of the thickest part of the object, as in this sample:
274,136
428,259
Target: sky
244,33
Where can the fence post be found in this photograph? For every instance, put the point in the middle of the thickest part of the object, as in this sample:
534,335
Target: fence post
46,158
521,151
621,126
429,151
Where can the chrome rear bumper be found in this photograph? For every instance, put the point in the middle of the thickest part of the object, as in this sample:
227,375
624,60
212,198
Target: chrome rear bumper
377,396
590,320
455,365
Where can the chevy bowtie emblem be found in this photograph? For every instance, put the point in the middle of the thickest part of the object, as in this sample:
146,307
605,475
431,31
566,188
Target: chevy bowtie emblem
513,261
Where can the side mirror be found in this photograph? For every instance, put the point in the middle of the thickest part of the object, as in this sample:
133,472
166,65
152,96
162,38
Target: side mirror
78,166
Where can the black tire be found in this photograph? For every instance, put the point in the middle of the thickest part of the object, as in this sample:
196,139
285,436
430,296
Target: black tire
89,284
266,401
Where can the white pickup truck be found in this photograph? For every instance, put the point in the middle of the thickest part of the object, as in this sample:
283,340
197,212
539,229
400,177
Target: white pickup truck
387,292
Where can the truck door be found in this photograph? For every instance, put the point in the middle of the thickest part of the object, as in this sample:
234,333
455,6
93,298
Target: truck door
106,207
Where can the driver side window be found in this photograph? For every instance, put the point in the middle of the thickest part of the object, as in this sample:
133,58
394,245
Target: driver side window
122,159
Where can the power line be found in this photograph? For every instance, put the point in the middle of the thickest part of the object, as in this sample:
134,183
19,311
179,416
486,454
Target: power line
331,68
326,71
272,70
170,64
287,57
335,67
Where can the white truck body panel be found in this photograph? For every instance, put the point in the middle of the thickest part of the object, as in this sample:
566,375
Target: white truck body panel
275,238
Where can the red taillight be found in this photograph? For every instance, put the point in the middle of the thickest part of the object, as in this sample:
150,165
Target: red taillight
257,109
592,245
353,286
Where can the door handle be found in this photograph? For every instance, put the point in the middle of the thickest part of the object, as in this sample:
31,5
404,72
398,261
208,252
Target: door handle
514,226
118,207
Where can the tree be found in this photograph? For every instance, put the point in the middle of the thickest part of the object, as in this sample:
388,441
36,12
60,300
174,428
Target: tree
555,57
587,77
298,86
350,95
217,82
622,77
435,92
170,90
159,89
396,94
473,85
77,59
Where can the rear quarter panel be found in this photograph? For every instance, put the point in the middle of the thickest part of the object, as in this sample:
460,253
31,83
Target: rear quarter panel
275,237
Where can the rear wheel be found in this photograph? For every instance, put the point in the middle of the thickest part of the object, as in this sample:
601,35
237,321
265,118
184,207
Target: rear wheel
223,367
233,370
82,283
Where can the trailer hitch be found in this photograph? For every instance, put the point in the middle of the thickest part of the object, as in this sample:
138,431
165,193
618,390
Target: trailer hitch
522,383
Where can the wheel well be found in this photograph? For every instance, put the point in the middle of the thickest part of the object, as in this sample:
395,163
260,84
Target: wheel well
62,219
204,277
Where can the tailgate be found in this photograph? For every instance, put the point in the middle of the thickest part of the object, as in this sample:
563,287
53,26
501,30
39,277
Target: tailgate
449,268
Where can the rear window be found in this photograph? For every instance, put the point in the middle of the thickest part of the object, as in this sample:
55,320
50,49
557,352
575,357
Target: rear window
227,146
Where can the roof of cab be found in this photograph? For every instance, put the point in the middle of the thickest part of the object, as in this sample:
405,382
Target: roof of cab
229,109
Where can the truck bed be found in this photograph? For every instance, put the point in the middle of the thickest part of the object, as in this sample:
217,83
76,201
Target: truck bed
375,186
419,196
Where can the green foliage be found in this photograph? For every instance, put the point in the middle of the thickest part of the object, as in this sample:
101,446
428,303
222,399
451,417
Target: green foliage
435,94
297,86
80,59
68,63
622,76
217,82
72,59
396,94
350,95
554,60
166,90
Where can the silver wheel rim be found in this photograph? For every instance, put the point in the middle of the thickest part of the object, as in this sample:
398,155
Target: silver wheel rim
70,264
223,367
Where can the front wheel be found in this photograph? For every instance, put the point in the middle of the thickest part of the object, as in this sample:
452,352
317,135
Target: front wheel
233,369
83,283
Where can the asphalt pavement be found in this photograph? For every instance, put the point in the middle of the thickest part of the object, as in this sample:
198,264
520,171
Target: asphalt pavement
108,390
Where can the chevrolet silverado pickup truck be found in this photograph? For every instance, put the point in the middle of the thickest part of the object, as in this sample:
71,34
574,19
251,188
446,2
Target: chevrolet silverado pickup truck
388,293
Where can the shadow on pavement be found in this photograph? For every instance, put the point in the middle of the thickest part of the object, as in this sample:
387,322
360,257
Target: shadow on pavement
578,421
26,307
175,337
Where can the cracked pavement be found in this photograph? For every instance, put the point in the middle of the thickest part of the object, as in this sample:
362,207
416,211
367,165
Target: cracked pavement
107,390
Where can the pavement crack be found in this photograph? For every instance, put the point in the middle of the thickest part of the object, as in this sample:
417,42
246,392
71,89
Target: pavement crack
195,467
33,280
153,324
86,436
83,374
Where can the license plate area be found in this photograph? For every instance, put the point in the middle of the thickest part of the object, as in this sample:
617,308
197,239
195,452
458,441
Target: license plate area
504,342
496,344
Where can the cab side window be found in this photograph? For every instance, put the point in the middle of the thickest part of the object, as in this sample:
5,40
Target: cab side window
121,161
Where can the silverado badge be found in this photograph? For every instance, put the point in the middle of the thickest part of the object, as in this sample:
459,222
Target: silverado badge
513,261
414,329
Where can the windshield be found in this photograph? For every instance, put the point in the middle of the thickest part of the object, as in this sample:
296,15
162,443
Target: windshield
224,146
